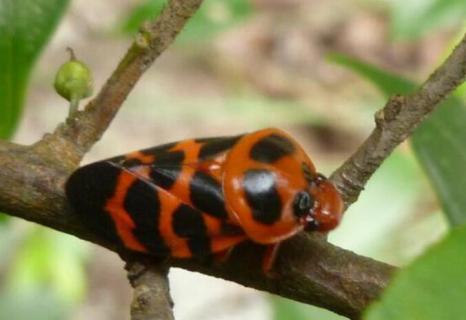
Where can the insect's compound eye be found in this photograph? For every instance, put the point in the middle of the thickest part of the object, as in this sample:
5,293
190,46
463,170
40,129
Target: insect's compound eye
303,204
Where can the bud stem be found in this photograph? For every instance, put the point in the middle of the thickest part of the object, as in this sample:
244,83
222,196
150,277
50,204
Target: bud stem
71,52
74,104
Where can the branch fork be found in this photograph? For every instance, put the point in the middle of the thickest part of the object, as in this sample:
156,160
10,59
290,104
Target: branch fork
312,270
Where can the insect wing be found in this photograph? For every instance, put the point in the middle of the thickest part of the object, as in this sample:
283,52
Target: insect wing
146,200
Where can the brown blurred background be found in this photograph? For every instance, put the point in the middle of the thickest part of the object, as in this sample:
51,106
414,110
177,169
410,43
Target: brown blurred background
240,65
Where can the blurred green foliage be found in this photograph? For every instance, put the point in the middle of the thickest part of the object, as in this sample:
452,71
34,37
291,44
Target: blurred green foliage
45,269
25,27
415,18
48,258
432,288
415,292
438,142
36,305
284,309
3,218
239,106
460,91
379,219
145,11
212,18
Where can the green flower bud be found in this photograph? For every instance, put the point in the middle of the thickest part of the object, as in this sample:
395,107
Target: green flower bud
73,81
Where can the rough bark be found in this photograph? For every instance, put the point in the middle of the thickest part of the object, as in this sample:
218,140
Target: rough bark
308,268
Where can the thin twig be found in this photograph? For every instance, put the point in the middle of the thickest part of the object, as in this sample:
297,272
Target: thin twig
80,133
151,296
396,121
310,270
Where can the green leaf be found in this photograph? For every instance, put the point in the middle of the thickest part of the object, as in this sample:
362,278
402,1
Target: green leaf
440,147
414,18
431,288
25,27
386,82
438,142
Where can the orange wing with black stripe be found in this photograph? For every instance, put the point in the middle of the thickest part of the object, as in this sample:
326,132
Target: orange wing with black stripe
166,200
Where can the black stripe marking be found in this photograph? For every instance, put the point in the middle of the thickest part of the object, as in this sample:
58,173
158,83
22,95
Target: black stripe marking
130,163
88,190
271,148
206,195
166,168
262,195
174,158
214,146
189,224
165,177
143,205
308,175
229,229
156,151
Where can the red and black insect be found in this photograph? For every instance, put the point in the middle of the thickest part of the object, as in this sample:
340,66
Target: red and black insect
199,197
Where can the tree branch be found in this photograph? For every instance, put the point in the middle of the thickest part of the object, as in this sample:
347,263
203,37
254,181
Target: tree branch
151,296
396,121
309,269
80,133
